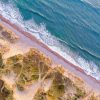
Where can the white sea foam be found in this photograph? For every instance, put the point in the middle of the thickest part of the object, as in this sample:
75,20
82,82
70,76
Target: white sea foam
12,13
94,3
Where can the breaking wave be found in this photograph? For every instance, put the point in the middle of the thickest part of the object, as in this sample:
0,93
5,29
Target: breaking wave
11,12
94,3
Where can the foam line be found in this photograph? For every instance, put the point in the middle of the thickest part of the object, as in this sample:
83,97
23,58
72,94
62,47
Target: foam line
10,12
94,3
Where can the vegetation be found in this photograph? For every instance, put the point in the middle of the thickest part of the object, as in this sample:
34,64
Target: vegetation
1,61
28,68
5,94
57,88
40,95
4,47
32,67
9,35
79,93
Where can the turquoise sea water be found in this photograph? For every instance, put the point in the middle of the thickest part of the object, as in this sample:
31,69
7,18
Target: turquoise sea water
70,27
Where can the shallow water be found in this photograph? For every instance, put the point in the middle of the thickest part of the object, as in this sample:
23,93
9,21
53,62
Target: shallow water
70,27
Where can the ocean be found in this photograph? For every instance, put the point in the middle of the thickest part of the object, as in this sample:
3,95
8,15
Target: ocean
69,27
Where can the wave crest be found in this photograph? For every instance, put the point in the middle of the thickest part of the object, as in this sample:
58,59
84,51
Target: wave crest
10,12
94,3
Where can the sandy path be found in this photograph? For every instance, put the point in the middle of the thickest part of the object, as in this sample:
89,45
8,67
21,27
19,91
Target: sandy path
27,41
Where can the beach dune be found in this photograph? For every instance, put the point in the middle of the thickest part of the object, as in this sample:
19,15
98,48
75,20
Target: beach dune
27,41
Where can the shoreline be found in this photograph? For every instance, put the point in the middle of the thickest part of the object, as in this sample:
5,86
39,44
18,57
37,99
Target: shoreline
33,38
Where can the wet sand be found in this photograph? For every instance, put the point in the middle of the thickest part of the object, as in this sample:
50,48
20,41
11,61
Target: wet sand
27,40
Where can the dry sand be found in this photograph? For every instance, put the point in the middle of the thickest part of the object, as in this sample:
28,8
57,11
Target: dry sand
27,41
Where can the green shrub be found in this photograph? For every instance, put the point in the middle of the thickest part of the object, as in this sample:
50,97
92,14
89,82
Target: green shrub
40,95
6,94
79,93
1,61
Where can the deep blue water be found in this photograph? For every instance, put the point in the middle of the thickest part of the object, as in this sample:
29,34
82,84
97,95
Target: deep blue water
75,23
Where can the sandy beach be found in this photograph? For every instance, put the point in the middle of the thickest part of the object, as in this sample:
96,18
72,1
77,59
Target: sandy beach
27,40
